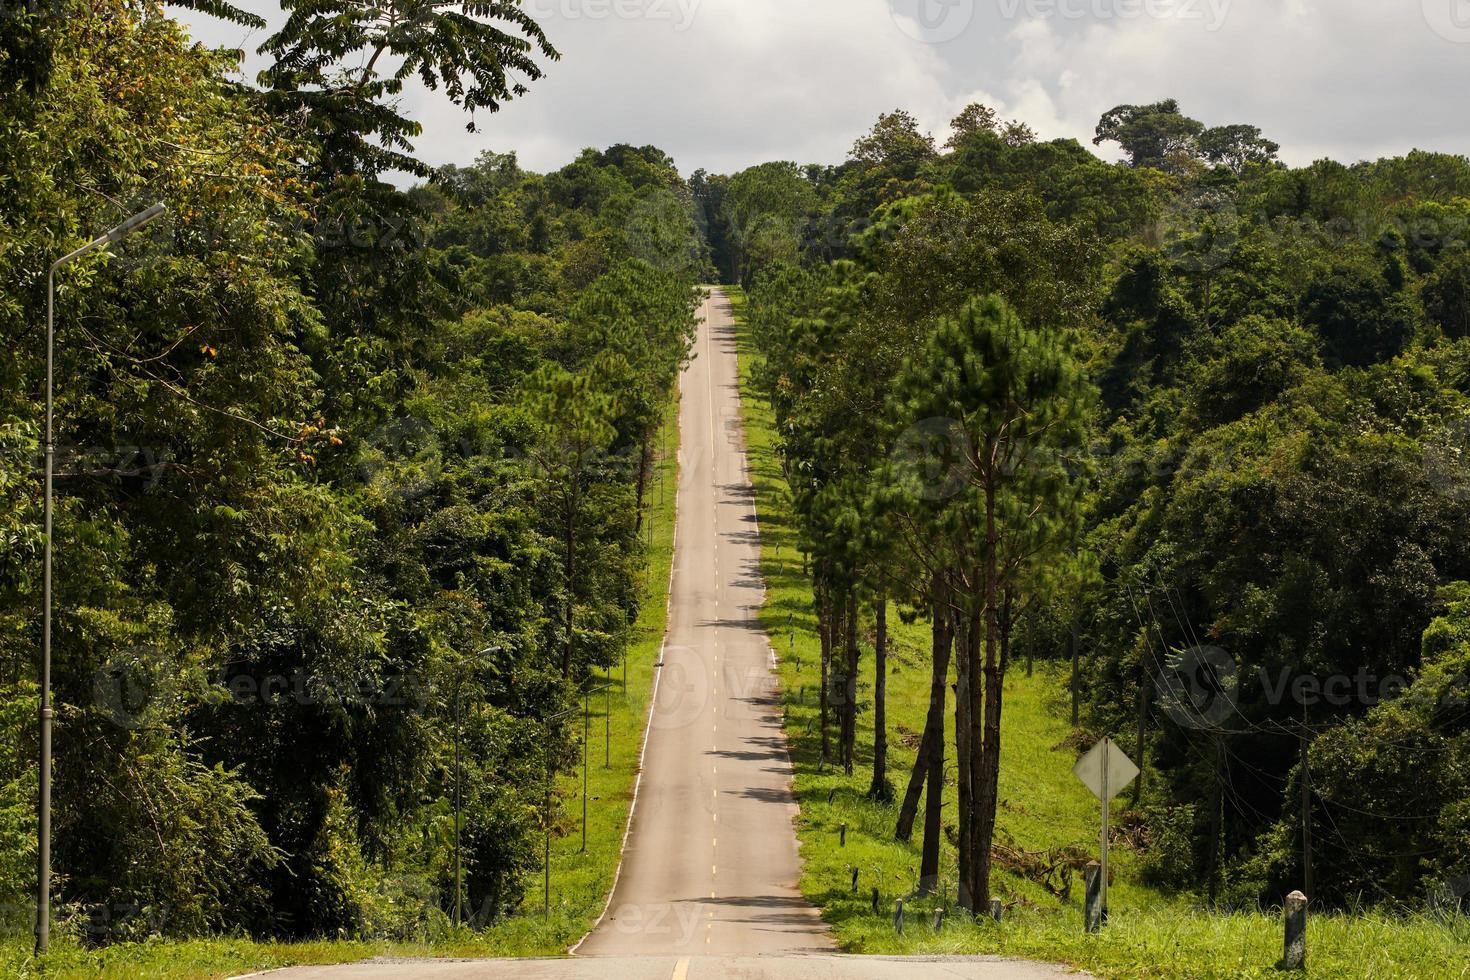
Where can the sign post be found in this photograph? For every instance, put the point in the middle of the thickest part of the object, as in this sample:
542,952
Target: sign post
1107,771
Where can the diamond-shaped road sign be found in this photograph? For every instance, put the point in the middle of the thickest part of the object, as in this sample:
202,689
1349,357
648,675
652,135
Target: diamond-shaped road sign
1105,770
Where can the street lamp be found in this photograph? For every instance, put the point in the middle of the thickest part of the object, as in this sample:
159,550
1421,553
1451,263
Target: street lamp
546,817
586,741
458,794
43,842
548,722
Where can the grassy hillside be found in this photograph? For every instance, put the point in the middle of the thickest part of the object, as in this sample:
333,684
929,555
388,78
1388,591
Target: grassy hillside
1046,815
580,882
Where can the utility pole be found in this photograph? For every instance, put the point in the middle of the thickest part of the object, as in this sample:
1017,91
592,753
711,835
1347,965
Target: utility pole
1145,688
1306,810
546,826
586,744
586,728
1217,820
458,803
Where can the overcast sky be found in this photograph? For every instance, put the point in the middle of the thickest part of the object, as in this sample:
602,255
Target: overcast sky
723,84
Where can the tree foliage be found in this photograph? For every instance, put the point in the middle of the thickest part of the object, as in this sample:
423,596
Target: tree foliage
1276,470
308,466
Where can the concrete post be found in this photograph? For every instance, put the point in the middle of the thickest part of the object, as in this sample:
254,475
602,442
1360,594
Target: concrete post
1295,957
996,910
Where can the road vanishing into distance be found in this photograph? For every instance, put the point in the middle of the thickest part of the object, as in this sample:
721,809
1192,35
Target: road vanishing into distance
711,865
708,883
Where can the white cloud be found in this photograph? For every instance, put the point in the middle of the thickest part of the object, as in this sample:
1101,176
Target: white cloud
1353,79
722,84
748,80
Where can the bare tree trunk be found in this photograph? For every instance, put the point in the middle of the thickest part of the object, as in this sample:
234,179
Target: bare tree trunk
964,664
880,790
934,725
824,629
987,758
1031,625
908,811
985,694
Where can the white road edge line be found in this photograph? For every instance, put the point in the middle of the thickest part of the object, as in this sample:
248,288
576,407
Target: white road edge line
657,677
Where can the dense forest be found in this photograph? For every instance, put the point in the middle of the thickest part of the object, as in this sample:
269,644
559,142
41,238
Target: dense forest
1193,422
346,473
351,473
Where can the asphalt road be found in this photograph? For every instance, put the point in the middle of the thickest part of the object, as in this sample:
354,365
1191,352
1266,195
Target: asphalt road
792,967
708,883
711,865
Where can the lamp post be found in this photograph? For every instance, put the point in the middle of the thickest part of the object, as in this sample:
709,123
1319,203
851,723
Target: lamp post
586,723
43,806
546,819
586,733
458,794
586,740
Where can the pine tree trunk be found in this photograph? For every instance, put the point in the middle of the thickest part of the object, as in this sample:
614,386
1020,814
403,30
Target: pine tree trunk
985,696
943,644
1031,646
964,663
824,629
987,770
880,790
909,810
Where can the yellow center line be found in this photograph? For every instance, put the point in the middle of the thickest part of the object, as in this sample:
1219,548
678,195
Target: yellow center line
681,969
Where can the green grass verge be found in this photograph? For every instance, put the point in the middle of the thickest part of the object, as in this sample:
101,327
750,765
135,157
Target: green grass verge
1043,807
580,882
